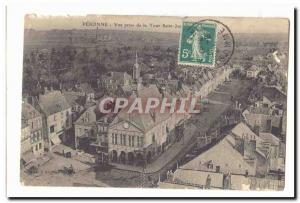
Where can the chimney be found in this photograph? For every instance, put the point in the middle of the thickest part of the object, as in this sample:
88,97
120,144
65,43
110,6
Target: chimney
250,148
240,145
256,129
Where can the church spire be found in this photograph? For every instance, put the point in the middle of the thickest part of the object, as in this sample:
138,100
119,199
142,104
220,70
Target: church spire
136,58
136,69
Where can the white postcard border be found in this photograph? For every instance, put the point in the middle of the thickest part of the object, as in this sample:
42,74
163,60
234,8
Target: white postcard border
15,30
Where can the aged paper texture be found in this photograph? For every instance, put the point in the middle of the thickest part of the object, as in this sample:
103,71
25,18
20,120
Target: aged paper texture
154,102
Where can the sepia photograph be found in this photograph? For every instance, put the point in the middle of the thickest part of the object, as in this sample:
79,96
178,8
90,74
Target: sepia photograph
121,105
103,102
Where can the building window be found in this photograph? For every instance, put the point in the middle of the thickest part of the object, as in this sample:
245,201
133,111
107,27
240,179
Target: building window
31,138
132,141
141,141
37,135
153,138
121,139
124,140
129,138
52,129
116,139
36,148
40,145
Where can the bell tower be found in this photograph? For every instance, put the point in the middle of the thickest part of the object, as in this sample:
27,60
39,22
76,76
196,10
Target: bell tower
136,70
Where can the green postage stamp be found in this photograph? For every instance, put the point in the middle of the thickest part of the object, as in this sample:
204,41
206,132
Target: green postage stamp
197,46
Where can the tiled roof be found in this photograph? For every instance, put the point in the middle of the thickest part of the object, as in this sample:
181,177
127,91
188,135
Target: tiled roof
29,112
242,130
144,121
53,102
198,178
260,110
224,155
270,138
88,117
273,94
195,177
150,91
74,99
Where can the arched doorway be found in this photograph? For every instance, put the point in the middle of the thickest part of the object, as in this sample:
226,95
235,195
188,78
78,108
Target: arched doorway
149,156
114,156
130,158
123,157
139,159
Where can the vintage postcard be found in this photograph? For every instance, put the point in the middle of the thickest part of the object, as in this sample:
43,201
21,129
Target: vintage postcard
164,102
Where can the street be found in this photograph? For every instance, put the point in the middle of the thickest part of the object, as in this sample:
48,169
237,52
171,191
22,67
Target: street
132,176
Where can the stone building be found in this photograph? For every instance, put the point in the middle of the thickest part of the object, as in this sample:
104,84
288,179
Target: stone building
137,138
57,117
32,130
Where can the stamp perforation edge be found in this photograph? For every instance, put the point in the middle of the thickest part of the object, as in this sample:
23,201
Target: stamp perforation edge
195,64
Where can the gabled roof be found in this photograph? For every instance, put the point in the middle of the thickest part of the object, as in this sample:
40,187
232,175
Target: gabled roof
74,99
270,138
273,94
253,68
242,130
88,117
150,91
224,155
53,102
259,110
144,121
28,111
194,177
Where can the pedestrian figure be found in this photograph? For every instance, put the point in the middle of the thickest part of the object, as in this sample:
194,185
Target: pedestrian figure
208,182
